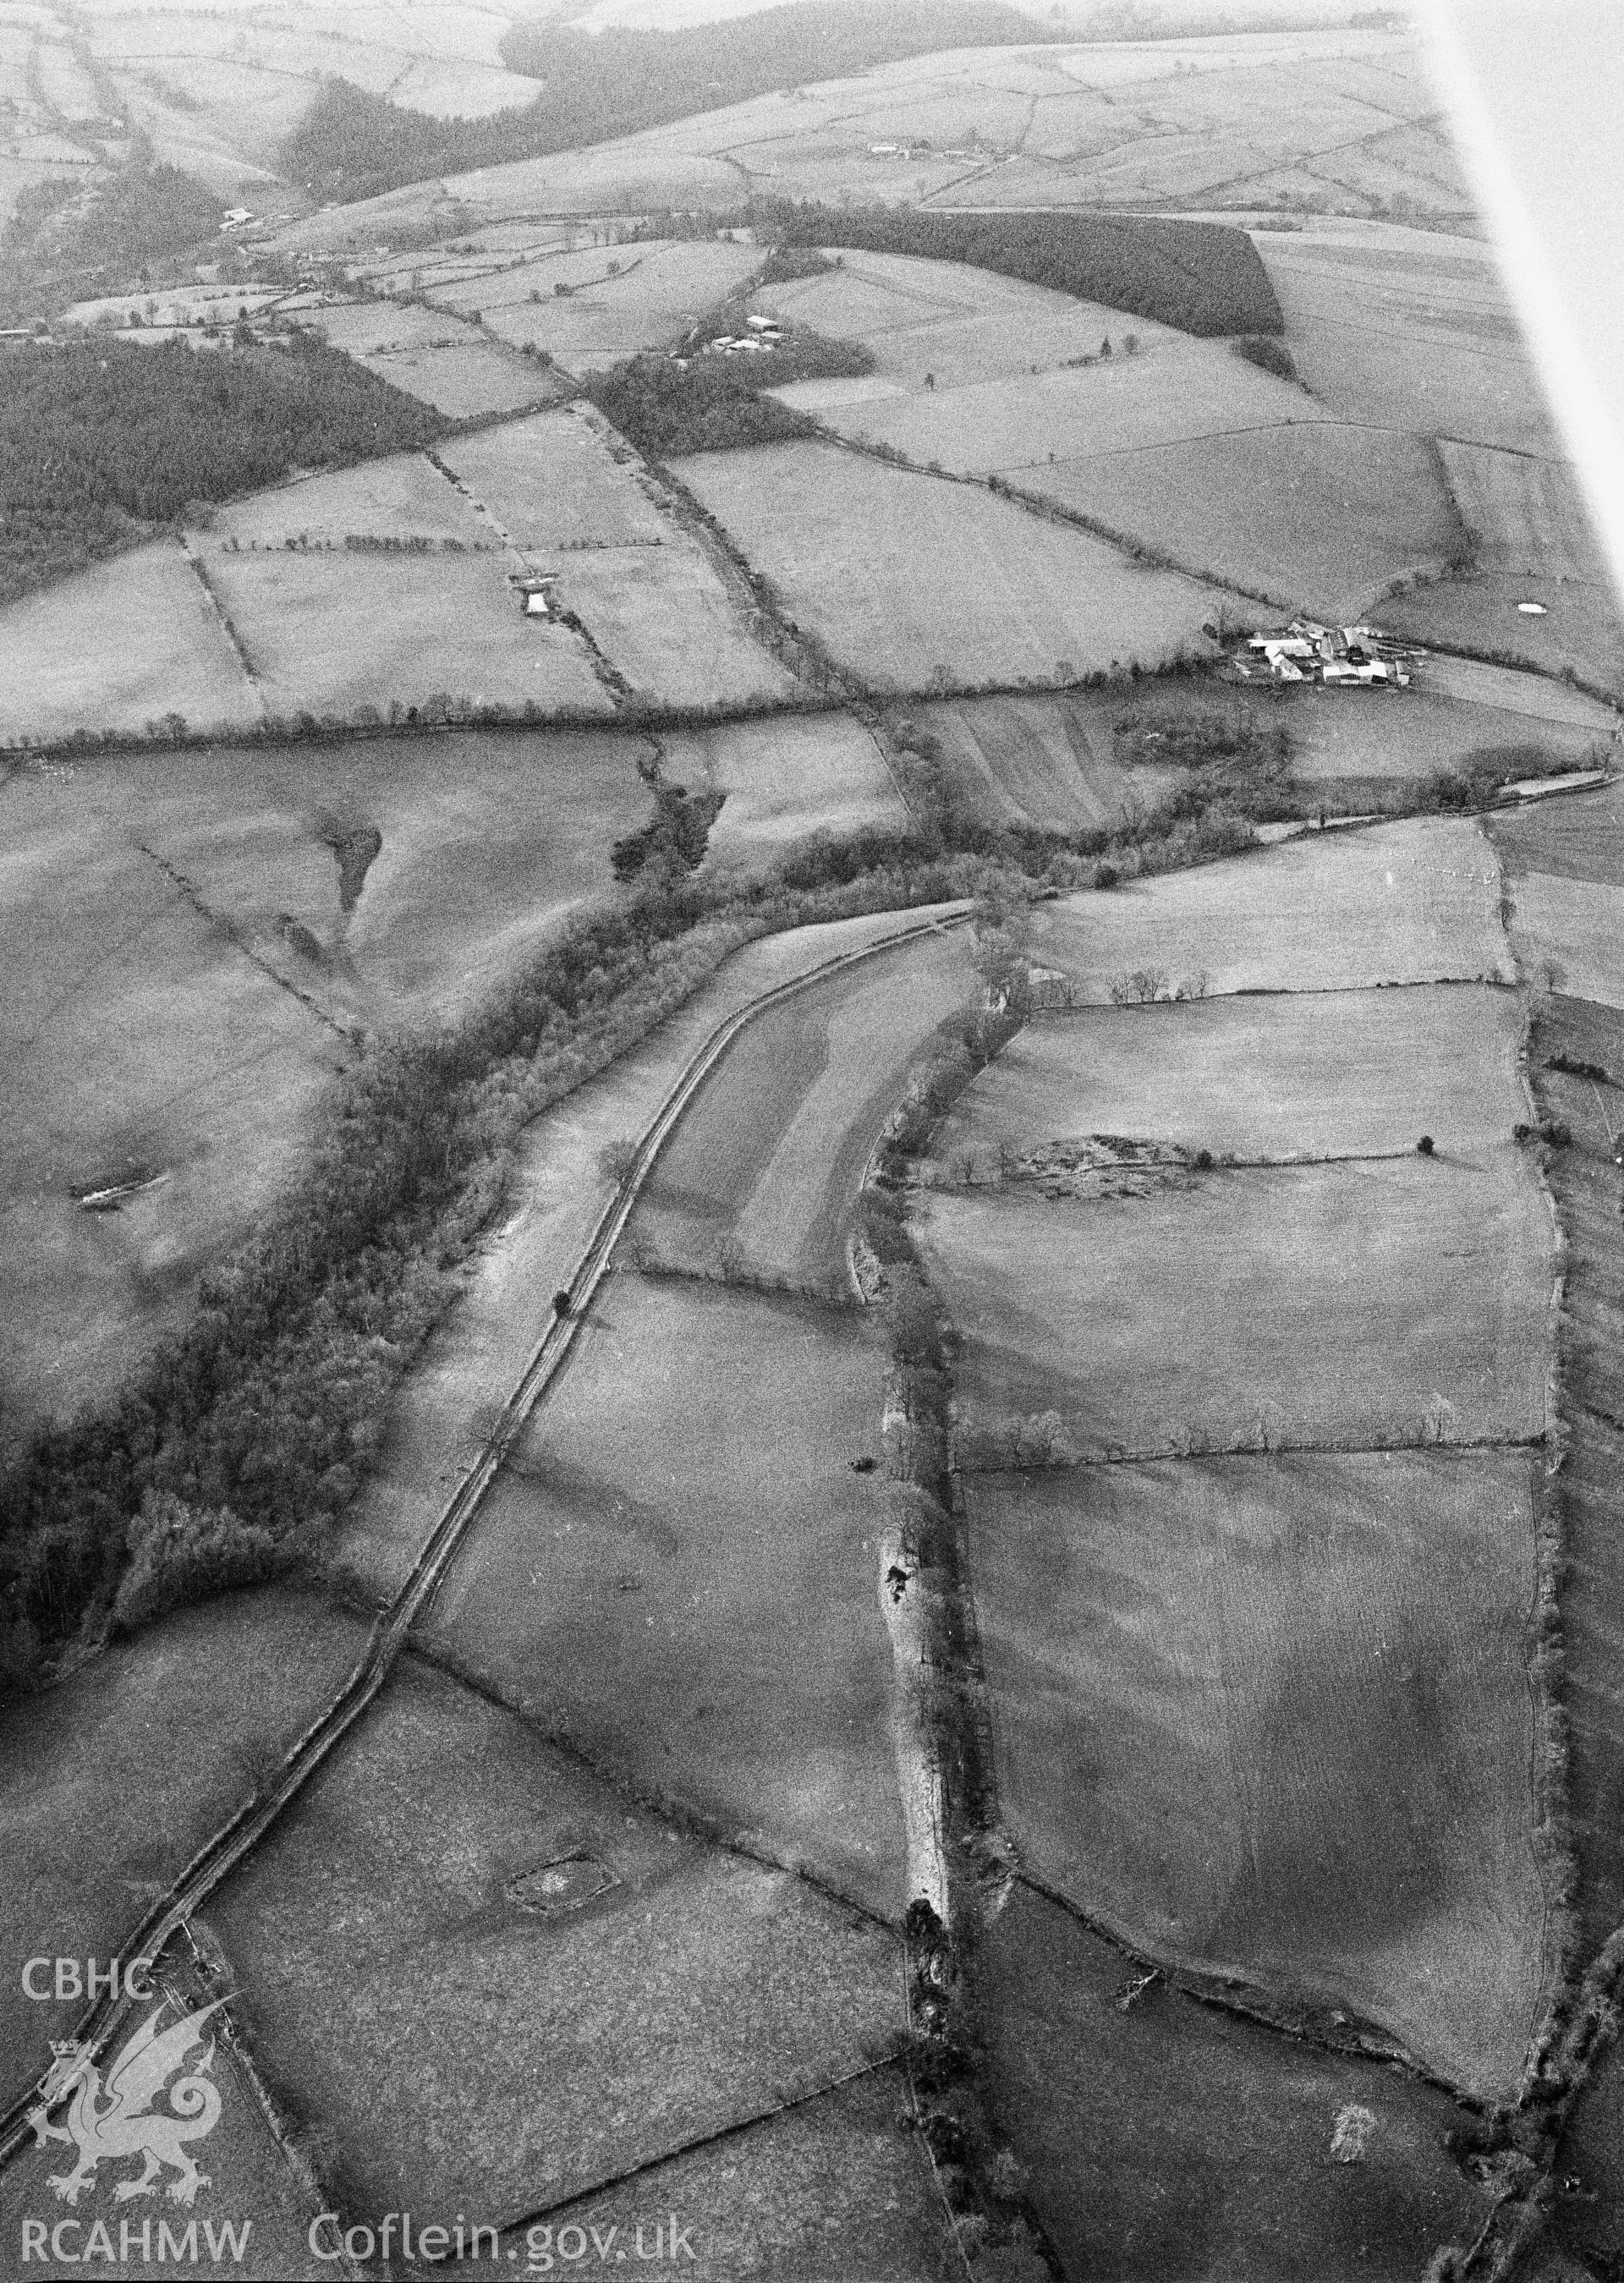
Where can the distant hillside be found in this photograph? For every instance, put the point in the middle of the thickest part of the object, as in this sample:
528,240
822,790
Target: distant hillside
101,440
1201,276
353,144
63,243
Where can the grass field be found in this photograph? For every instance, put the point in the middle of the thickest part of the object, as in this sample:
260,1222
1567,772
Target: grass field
327,633
767,1163
837,2187
1355,737
1075,1306
1584,1182
1048,761
144,1024
1322,516
1566,934
116,647
142,1041
1581,838
112,1781
1400,903
665,619
1342,1072
655,293
1398,330
799,774
968,328
552,481
1273,1714
1509,690
403,497
1169,2141
495,2058
1581,633
685,1585
1523,514
951,588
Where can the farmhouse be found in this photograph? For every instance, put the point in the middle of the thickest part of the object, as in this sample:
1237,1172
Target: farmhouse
1336,655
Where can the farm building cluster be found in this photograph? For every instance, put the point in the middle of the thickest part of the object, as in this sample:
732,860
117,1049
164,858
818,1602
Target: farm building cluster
1361,657
761,334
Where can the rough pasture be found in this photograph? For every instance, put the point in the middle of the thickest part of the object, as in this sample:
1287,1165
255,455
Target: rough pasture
666,622
644,296
680,1577
387,1899
1272,1715
403,497
947,587
1360,736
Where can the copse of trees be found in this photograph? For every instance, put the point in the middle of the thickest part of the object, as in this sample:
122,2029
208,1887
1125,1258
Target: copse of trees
100,440
1203,277
351,144
711,402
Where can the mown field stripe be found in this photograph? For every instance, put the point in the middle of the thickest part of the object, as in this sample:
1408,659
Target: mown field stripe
242,1832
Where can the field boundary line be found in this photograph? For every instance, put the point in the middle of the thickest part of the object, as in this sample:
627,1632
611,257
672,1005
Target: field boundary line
229,928
1164,1455
1226,1993
222,619
241,1832
898,2053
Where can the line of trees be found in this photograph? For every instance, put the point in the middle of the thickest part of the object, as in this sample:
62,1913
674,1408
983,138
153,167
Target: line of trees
353,144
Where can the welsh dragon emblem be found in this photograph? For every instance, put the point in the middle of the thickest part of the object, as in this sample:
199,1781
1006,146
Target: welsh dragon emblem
117,2119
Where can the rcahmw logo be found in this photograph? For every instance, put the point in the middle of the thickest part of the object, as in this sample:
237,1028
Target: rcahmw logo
115,2118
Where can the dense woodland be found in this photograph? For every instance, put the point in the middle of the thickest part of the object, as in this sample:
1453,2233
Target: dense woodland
101,440
64,244
715,404
1203,277
353,144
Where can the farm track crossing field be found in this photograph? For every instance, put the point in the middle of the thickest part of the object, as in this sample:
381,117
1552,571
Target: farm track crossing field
672,2006
554,482
949,586
1077,1306
327,633
768,1161
1400,903
117,647
109,1783
1166,2140
1049,762
1339,1073
1324,517
678,1573
783,779
1273,1715
144,1026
